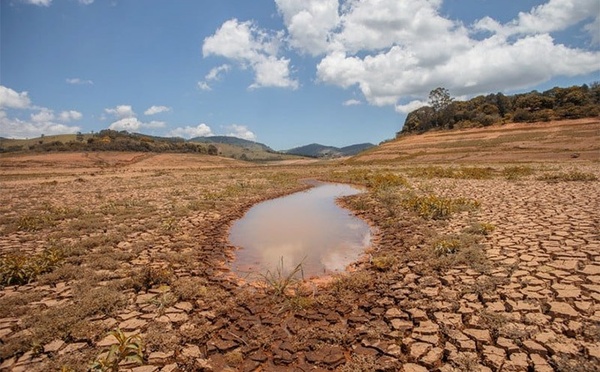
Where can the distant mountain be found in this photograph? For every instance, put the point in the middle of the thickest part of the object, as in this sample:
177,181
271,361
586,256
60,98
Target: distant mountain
251,145
355,149
316,150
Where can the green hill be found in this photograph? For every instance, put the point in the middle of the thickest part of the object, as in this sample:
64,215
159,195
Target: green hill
316,150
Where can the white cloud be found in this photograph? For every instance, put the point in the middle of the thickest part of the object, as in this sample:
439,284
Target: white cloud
555,15
17,128
155,124
216,72
39,2
11,99
78,81
45,115
121,111
396,51
273,72
594,30
44,121
240,131
351,102
133,124
153,110
309,23
252,47
70,115
201,130
86,2
410,106
128,124
203,85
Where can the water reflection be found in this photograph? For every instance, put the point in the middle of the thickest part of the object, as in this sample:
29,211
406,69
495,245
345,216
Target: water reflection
306,227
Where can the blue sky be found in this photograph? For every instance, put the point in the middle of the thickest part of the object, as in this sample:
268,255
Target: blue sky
283,72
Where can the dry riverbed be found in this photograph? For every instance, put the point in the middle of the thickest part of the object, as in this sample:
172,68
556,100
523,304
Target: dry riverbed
488,267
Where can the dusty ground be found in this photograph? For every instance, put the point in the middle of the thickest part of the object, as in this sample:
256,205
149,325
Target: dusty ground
529,142
141,245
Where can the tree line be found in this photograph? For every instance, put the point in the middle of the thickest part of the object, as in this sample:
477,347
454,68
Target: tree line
111,140
443,112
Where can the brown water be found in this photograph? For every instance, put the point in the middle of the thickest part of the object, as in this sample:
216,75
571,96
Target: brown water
306,227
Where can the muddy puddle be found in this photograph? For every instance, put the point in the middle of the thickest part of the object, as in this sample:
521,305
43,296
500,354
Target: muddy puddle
306,227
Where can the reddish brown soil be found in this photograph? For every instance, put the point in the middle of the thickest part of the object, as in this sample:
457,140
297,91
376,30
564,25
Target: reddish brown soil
525,297
529,142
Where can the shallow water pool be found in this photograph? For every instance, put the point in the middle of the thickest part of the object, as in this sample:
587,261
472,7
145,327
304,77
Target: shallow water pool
307,227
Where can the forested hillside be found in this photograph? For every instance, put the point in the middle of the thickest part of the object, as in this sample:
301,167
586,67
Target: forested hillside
557,103
106,140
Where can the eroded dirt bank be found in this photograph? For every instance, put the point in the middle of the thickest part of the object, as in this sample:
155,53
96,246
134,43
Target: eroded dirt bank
502,274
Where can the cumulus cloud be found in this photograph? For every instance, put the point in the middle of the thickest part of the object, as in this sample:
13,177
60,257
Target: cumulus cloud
556,15
201,130
153,110
254,48
11,99
86,2
121,111
309,23
128,124
240,131
78,81
394,51
44,115
410,106
67,116
17,128
14,123
127,120
39,2
134,124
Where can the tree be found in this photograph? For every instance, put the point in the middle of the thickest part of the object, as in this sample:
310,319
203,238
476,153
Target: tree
79,137
213,150
440,99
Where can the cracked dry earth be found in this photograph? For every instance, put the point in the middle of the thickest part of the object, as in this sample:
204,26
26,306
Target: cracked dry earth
533,305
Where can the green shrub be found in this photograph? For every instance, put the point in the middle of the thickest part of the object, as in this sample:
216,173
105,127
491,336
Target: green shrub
19,268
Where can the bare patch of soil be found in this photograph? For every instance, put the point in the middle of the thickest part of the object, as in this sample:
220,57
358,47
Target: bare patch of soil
526,142
466,272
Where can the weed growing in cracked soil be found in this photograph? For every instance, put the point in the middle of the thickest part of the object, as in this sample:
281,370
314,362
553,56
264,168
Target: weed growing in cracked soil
568,176
128,349
437,207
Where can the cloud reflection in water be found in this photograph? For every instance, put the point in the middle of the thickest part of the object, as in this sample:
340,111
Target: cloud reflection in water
306,227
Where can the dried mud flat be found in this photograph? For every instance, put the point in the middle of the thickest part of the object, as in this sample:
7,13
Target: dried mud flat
510,281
